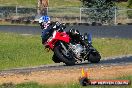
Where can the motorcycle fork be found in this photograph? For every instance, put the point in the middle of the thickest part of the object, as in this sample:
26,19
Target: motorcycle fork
64,47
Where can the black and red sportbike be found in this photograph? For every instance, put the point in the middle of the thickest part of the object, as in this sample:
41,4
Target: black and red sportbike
69,47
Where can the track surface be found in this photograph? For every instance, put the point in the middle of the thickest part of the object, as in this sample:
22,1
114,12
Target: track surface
123,60
123,31
98,31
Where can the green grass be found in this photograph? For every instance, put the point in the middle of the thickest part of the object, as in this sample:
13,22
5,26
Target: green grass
122,4
52,3
72,85
56,3
113,46
22,24
25,51
22,51
19,2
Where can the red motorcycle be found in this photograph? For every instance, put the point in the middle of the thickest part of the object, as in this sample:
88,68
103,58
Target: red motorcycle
70,47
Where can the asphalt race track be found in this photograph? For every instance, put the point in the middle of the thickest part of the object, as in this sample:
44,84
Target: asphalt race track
115,61
97,31
107,31
122,31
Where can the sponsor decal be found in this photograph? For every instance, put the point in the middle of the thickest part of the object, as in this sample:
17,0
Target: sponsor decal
86,81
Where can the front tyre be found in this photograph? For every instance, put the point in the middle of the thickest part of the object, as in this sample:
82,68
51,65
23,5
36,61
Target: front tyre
55,59
94,57
67,59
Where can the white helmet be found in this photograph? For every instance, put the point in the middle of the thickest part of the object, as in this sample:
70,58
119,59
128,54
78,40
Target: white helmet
45,19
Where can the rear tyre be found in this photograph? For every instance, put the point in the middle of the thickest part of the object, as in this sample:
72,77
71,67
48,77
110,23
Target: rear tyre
68,60
94,57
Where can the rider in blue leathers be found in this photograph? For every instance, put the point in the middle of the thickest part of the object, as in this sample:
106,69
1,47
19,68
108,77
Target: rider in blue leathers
48,27
44,22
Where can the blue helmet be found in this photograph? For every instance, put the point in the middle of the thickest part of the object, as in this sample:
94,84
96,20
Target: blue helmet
44,19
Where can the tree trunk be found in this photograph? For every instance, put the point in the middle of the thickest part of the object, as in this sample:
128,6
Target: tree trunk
42,7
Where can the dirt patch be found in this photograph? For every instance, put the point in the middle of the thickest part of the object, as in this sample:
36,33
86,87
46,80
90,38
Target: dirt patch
67,76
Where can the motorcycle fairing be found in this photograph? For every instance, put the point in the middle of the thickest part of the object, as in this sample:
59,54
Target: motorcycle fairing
58,36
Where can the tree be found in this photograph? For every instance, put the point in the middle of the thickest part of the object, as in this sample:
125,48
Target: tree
130,3
129,12
42,7
101,10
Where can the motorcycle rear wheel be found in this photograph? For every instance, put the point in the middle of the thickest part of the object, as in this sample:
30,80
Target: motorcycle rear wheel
64,58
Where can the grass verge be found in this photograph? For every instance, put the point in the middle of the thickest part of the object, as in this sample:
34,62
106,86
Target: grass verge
26,50
52,3
74,85
22,24
109,47
22,51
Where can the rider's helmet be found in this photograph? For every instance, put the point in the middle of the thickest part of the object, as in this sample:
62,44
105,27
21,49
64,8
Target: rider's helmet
45,19
44,22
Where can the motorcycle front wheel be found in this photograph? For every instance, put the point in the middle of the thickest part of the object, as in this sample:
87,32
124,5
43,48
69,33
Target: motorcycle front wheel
55,59
94,57
65,58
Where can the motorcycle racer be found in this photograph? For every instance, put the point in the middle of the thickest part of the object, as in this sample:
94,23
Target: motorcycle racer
44,22
68,47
